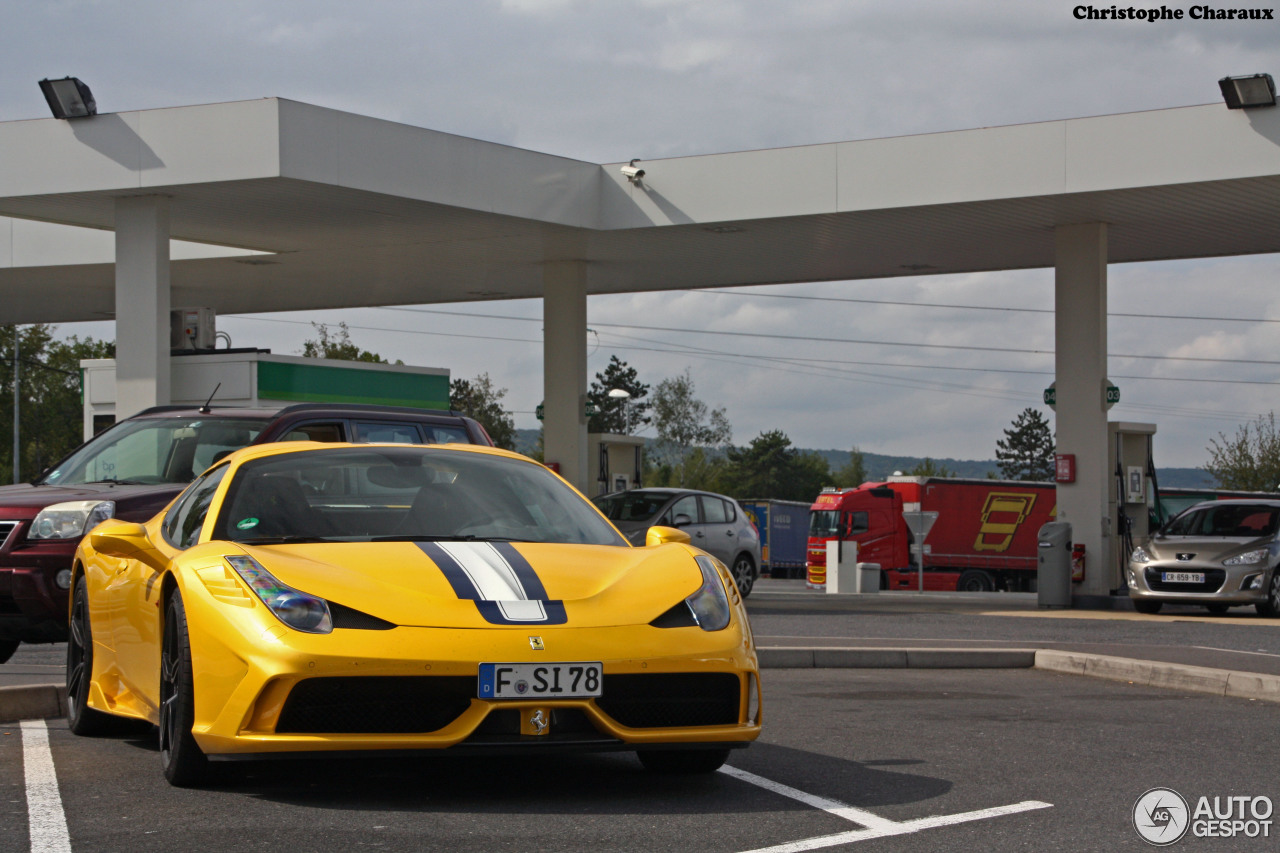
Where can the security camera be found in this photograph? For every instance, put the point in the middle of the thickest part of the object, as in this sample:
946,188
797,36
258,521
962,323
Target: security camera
633,174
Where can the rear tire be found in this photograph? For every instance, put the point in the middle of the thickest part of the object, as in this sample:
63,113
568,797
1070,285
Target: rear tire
683,761
744,574
82,719
1142,605
7,648
975,580
185,765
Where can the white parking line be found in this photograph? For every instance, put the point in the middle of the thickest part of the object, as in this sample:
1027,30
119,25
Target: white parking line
875,826
45,818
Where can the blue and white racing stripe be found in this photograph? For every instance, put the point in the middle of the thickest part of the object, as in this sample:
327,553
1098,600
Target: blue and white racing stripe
505,588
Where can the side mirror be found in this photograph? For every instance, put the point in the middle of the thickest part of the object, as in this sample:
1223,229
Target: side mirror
659,535
682,520
125,539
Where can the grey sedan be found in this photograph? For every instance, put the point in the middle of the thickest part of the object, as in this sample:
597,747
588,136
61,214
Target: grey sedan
1217,553
715,523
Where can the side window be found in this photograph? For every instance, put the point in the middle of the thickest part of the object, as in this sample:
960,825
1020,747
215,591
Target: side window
374,432
316,432
439,434
858,522
687,505
182,524
714,510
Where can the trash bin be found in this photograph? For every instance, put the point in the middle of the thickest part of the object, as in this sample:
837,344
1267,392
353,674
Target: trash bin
868,577
1053,566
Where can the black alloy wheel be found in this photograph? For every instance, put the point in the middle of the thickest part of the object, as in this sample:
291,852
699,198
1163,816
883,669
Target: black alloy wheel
185,765
744,571
683,761
81,719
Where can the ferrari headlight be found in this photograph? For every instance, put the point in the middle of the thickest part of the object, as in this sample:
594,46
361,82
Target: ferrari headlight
299,610
1140,555
1248,558
710,604
70,520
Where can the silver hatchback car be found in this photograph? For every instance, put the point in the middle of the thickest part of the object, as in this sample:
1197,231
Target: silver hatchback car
715,523
1219,554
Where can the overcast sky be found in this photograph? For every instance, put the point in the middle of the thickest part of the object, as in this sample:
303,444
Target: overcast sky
609,81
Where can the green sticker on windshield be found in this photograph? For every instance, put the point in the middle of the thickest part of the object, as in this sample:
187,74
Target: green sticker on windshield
247,524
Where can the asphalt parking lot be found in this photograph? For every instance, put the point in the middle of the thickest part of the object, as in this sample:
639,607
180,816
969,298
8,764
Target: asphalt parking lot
850,758
893,760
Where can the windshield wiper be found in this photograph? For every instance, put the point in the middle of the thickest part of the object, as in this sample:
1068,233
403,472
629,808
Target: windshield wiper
113,482
283,540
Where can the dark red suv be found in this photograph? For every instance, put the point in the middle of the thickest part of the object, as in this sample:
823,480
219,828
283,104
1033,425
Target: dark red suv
134,468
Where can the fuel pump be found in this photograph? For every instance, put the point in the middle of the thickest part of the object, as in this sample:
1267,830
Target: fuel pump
1131,460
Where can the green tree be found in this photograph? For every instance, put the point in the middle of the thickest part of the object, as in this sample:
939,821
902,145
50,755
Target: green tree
700,469
930,468
618,414
684,422
51,410
1026,451
338,345
1251,460
477,398
770,467
853,473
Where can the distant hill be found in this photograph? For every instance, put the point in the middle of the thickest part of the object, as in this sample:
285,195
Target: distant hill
880,467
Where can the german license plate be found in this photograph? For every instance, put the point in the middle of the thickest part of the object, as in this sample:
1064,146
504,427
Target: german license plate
540,680
1182,577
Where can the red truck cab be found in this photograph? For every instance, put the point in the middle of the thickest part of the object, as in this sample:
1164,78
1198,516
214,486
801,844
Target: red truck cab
870,515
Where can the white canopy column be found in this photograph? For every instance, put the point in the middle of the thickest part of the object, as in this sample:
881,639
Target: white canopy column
142,303
1080,330
564,369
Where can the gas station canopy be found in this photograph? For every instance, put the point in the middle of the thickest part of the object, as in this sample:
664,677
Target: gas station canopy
355,211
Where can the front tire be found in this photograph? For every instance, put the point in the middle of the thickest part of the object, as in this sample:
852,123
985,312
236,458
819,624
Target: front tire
683,761
82,719
1142,605
7,648
1271,607
185,765
744,574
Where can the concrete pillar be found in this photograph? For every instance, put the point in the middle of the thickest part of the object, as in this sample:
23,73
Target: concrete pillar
142,304
1080,345
564,369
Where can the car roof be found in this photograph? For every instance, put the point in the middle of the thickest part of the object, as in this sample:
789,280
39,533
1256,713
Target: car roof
279,448
351,409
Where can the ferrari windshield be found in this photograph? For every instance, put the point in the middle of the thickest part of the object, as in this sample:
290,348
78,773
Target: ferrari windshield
416,493
154,450
1245,521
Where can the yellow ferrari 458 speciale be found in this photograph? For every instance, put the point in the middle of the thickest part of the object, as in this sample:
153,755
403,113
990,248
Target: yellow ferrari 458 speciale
301,598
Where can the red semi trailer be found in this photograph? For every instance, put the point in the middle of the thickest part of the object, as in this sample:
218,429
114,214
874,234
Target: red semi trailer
984,537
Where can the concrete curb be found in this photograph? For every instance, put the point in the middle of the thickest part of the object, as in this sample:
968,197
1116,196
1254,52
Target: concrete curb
32,702
1199,679
786,657
46,701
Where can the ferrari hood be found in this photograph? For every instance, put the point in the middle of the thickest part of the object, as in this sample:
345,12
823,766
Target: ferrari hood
488,584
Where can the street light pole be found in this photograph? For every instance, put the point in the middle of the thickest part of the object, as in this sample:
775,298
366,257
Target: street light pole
625,396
